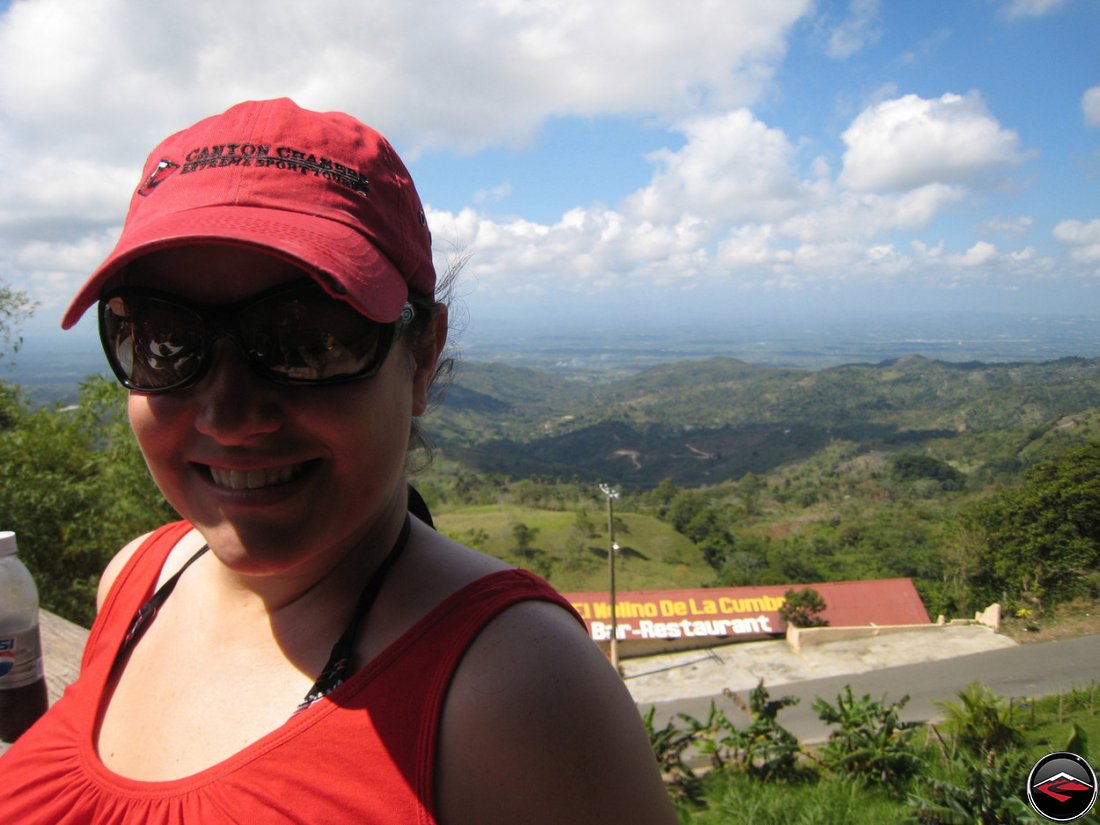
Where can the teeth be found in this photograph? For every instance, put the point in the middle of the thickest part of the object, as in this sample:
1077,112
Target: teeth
253,479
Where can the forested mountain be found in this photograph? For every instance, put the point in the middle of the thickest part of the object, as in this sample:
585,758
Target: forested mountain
705,421
979,481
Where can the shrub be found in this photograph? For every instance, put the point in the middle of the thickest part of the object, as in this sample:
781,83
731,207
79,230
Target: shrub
765,749
870,744
669,746
980,721
803,608
988,791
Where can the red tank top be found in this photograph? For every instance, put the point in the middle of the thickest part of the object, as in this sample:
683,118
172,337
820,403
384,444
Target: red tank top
363,754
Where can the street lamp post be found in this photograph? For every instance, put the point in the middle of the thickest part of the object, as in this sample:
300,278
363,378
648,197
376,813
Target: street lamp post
613,547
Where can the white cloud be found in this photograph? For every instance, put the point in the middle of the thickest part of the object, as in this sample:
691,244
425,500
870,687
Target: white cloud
1083,239
1090,105
927,47
91,87
85,252
860,28
47,266
730,205
732,198
467,74
729,200
45,188
586,248
1008,227
1021,9
733,167
495,194
751,246
866,215
980,254
928,252
909,142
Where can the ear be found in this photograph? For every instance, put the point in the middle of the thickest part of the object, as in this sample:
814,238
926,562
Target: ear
426,353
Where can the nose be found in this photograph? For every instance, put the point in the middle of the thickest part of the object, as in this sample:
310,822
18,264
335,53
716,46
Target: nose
235,405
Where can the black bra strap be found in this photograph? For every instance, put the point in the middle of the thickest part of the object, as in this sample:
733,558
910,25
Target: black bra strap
419,508
343,652
148,611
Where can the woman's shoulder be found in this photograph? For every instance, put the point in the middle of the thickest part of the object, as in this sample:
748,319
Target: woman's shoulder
115,567
180,537
440,566
535,707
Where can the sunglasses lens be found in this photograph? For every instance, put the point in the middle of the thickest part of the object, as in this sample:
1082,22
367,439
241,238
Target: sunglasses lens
151,344
306,336
294,335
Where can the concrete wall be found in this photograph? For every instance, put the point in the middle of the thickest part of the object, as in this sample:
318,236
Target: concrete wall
800,637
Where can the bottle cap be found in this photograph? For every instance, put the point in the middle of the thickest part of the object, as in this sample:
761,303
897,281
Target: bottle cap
7,543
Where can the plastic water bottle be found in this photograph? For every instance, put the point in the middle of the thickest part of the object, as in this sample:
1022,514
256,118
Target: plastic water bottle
23,696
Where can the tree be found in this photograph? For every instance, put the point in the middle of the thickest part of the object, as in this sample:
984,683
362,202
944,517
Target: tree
803,608
583,524
794,560
960,557
683,508
661,496
749,488
15,307
741,565
919,468
534,559
1043,537
475,537
709,530
523,536
75,490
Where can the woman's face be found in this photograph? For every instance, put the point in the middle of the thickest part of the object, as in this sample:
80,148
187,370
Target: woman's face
276,477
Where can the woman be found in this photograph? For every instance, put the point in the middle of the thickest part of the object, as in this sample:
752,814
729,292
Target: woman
301,648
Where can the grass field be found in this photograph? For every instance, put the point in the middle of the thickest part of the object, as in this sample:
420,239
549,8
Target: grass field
573,555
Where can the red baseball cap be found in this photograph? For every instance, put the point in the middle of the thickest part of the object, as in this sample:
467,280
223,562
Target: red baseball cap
321,190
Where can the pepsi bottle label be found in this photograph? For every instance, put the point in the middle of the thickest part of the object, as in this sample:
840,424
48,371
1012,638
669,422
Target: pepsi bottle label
20,658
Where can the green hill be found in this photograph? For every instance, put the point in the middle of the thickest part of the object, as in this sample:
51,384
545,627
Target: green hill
730,473
574,555
706,421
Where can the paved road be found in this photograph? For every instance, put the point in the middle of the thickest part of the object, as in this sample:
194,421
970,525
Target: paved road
1038,669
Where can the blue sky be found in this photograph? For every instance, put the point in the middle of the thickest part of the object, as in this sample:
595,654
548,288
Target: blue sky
684,163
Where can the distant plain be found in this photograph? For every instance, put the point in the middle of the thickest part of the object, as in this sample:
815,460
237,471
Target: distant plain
51,367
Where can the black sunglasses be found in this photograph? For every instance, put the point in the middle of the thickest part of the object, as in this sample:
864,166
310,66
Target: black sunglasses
295,333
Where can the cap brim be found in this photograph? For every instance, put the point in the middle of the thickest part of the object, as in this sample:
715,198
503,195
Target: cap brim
346,263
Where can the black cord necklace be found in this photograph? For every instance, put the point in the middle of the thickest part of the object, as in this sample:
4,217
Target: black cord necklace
343,652
340,660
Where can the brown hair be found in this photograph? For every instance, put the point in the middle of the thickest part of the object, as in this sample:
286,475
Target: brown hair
421,449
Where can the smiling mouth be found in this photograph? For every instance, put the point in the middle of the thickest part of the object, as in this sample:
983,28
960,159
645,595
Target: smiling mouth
255,479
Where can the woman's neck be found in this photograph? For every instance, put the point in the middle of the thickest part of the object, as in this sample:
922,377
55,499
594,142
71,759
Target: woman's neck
296,587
